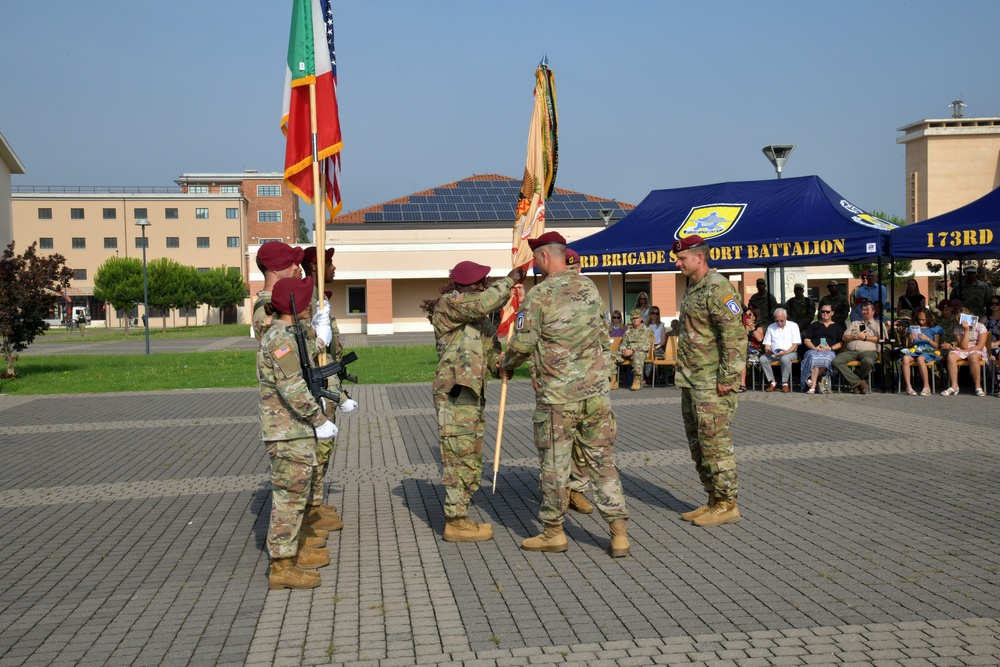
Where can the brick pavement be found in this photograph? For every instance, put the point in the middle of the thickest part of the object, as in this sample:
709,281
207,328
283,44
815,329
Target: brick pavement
134,525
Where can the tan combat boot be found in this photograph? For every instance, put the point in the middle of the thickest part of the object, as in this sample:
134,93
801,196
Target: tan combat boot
314,517
285,574
309,558
619,541
695,513
637,382
311,531
722,512
463,529
330,511
552,540
579,503
614,383
312,541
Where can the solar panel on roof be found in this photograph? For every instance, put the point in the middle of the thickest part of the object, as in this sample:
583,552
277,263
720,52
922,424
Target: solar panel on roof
391,207
373,217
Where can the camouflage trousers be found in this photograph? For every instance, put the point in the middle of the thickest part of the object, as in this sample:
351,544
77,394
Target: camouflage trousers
324,453
292,464
461,425
636,361
590,425
707,417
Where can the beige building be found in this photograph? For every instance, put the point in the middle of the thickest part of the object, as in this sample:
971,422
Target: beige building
9,164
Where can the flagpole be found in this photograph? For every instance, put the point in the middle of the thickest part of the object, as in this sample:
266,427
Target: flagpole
503,405
320,225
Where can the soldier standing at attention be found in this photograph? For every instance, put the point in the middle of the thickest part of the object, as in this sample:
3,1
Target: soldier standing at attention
291,421
562,330
763,302
800,308
276,260
467,350
711,353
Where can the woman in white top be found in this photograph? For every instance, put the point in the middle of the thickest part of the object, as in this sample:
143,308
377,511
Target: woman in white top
970,339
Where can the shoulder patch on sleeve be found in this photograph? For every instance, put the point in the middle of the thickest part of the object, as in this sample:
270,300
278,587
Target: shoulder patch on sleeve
520,319
282,351
733,306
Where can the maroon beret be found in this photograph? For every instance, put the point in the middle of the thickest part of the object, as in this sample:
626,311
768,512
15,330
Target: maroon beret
572,257
688,242
944,304
546,239
286,287
309,255
468,273
278,256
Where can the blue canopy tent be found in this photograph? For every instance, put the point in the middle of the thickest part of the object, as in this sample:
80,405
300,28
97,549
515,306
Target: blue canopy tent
969,232
793,221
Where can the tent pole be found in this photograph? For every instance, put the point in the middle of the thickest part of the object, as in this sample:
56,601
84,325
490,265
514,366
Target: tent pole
881,320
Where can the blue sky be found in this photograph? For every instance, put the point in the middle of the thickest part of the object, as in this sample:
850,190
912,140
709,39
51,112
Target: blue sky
651,95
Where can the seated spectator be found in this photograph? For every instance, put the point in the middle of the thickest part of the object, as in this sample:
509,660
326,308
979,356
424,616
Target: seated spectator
635,347
755,339
781,340
924,343
861,344
993,326
970,344
659,340
823,340
948,321
617,326
675,328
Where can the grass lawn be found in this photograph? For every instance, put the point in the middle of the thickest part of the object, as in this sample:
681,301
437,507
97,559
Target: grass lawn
94,335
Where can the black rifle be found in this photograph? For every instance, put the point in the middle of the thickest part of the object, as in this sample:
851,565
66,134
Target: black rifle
316,376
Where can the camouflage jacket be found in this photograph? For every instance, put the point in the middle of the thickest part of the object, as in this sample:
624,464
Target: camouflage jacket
638,339
261,320
561,329
841,308
467,347
287,409
948,326
801,311
975,297
766,304
712,346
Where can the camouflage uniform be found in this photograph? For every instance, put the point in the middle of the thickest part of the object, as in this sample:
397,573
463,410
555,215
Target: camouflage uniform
801,310
711,350
467,350
766,304
975,297
638,339
326,448
561,329
288,417
841,308
261,320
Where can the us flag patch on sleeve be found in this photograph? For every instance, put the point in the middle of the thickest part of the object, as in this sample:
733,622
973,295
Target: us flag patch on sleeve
733,306
282,351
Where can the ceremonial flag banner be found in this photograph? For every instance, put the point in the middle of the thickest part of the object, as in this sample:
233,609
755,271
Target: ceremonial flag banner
311,60
539,179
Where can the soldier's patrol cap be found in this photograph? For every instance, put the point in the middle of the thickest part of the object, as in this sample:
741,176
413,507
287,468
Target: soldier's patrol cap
688,242
278,256
547,238
309,255
832,283
284,289
799,286
761,281
635,313
572,257
468,273
971,268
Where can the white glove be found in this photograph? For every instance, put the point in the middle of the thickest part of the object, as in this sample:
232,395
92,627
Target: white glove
327,431
348,405
321,323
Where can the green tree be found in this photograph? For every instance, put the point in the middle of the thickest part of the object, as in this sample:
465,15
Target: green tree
303,231
29,287
118,281
166,285
222,288
190,291
901,270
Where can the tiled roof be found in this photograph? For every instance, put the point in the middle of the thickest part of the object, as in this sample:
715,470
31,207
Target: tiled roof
481,198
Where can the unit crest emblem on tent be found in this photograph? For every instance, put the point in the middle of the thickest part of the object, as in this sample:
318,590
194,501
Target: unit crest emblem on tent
710,221
866,219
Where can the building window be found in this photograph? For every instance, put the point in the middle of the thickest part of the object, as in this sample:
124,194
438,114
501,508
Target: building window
268,216
230,189
268,190
203,242
356,300
159,312
198,189
140,214
110,214
201,213
79,274
263,241
76,214
232,214
170,213
187,312
232,241
203,269
173,242
45,243
111,242
45,214
79,243
141,242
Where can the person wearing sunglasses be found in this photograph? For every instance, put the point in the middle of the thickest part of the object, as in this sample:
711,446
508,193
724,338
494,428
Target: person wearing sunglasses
925,342
822,340
617,326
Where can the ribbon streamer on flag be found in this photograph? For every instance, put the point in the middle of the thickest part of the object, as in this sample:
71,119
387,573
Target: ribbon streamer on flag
537,186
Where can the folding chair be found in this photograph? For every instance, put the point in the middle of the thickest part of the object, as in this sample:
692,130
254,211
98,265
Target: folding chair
669,357
962,363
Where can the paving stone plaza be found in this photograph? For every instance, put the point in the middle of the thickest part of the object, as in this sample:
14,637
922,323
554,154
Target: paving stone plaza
134,525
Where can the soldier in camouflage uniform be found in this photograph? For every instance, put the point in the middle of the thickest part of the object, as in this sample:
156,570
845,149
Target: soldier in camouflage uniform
711,353
800,308
467,351
635,346
838,302
276,260
975,293
291,421
562,331
764,303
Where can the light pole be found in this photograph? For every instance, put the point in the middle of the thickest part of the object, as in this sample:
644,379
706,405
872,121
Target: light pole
143,223
606,214
778,154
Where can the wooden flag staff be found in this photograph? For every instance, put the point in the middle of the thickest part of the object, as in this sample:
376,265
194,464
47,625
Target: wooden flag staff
318,201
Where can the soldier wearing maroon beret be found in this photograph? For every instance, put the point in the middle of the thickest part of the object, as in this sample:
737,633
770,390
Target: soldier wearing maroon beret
276,260
711,353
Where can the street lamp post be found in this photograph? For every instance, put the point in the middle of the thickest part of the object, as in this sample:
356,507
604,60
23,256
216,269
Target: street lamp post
143,223
778,154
